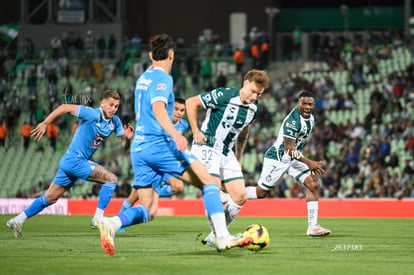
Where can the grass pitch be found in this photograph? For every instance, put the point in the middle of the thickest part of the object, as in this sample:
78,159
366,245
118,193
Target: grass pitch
171,245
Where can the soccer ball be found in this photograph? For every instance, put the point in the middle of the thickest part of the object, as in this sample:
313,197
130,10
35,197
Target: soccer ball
260,236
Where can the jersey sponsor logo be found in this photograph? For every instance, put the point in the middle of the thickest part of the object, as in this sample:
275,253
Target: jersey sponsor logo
144,81
216,95
291,126
98,141
142,87
161,86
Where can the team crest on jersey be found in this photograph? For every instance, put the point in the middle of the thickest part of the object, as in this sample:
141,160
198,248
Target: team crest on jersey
98,141
250,115
111,126
162,86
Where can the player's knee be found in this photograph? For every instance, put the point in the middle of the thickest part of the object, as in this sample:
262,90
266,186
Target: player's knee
312,184
112,177
240,199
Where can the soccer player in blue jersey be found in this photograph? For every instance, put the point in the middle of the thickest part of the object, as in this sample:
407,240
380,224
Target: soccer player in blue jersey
158,149
94,127
171,184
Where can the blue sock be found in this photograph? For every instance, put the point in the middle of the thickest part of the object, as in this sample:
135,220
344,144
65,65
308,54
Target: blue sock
165,191
135,215
211,199
105,194
38,205
126,205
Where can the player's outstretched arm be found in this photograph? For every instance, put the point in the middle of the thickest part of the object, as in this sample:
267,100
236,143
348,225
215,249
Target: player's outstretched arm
191,105
314,166
38,132
241,142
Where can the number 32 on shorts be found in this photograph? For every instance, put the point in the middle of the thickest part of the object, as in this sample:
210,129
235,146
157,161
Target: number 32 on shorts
206,154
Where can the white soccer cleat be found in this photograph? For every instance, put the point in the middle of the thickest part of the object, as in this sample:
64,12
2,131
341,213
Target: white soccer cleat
210,240
236,240
93,224
15,227
317,231
224,197
107,230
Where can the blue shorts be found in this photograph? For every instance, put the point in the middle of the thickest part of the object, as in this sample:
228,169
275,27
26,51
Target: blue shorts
73,168
157,161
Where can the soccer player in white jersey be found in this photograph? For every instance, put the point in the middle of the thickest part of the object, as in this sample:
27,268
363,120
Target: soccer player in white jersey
230,114
285,156
158,149
95,126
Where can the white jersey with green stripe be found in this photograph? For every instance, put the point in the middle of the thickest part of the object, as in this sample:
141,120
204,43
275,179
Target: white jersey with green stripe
226,117
293,126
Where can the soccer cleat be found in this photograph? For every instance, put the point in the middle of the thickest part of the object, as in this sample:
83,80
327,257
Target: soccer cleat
210,240
15,227
317,231
224,197
121,230
107,230
94,224
236,240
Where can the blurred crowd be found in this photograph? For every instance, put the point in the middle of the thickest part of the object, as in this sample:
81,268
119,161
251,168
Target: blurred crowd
364,165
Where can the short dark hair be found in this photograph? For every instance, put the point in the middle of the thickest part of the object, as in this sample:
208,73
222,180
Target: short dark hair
306,94
180,100
160,45
110,93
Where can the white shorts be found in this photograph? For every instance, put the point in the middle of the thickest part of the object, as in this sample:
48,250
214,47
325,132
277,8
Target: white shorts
273,170
227,168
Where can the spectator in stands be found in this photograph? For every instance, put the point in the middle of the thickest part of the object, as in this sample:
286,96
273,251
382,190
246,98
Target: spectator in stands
3,134
3,87
238,58
112,46
296,42
89,42
25,132
101,45
56,45
52,134
221,80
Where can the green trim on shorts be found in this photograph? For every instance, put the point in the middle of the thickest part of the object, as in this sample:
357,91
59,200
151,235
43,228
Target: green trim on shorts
215,175
301,174
231,179
267,186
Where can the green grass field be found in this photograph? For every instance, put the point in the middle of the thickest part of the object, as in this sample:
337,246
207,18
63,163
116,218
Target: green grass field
168,245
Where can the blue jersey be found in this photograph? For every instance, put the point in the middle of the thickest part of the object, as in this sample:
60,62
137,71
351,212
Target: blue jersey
92,131
152,86
181,126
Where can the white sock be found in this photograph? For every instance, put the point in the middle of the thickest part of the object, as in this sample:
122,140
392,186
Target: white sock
20,218
220,227
98,214
231,210
312,213
251,192
117,221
